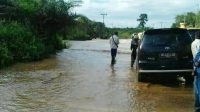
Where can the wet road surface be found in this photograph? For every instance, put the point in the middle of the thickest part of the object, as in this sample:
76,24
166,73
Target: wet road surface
80,79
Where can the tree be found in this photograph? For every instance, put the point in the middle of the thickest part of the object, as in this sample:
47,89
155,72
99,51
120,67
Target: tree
197,19
47,20
87,29
143,18
190,19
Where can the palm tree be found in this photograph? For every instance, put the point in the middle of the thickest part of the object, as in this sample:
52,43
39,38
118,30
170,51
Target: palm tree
143,18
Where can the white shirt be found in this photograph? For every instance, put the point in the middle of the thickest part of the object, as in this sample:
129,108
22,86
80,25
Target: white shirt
112,43
195,47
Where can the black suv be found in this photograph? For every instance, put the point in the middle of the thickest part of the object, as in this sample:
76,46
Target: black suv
165,51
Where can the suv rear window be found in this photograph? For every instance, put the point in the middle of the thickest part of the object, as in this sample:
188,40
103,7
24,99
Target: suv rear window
166,37
193,32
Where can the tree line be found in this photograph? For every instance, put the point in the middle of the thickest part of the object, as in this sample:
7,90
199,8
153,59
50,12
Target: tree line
190,18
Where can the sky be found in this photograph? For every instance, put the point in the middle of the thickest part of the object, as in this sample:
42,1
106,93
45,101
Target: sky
124,13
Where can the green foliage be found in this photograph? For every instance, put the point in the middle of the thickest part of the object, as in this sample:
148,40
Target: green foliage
67,43
58,42
18,44
78,34
53,17
85,29
197,24
32,29
6,57
125,33
191,20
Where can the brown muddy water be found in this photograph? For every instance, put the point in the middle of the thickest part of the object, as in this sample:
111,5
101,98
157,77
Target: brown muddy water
80,79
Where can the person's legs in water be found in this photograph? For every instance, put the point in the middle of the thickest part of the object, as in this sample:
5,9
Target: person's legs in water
197,94
133,56
113,55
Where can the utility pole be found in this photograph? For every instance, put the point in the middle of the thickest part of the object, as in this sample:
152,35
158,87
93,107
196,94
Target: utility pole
103,14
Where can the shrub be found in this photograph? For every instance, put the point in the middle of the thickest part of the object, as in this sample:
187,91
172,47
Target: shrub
6,57
78,34
20,42
59,43
125,35
67,43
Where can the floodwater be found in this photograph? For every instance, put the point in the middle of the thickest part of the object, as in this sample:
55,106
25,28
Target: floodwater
80,79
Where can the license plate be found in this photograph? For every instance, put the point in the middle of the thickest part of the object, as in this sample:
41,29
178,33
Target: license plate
168,55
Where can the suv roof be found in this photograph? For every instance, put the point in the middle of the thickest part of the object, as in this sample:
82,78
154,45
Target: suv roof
166,36
170,30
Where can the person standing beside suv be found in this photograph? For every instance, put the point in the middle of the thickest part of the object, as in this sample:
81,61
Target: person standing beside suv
134,45
195,47
114,42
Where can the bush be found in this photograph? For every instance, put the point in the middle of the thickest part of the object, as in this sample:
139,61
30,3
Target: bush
6,57
78,34
67,43
34,51
59,44
125,35
19,43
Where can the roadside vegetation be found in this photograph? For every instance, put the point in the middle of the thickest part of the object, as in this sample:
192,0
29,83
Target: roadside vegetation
31,30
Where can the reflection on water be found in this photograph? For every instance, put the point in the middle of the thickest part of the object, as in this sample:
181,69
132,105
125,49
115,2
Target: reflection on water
83,81
113,70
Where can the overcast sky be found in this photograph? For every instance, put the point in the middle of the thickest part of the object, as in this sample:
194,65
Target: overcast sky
124,13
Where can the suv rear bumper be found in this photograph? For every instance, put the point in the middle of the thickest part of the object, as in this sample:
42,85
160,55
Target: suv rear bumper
166,71
165,67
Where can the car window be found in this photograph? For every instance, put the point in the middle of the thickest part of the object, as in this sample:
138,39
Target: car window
166,39
192,32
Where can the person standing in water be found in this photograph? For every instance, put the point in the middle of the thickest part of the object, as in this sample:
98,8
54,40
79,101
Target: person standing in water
114,42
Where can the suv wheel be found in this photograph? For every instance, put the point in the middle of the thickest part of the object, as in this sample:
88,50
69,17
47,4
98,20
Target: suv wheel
189,79
140,77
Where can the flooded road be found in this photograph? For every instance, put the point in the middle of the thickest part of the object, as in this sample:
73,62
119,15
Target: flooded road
80,79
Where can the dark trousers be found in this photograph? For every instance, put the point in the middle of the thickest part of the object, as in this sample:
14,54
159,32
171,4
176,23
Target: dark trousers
197,93
133,56
113,55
